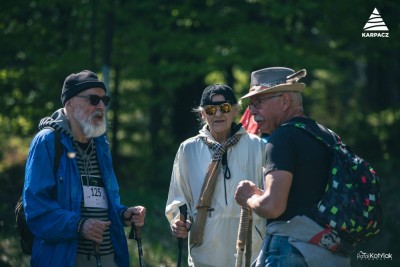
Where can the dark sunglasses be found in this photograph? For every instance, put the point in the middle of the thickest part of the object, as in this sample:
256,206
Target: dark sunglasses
95,99
211,109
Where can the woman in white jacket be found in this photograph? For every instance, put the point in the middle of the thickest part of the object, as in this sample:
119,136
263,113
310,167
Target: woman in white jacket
234,155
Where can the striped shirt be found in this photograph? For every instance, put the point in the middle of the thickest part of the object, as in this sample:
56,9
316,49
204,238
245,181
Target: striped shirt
90,175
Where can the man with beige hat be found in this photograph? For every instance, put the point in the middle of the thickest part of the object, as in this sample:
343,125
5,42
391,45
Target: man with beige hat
297,167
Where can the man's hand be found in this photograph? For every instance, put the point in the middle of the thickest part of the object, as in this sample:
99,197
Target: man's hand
135,215
244,191
93,230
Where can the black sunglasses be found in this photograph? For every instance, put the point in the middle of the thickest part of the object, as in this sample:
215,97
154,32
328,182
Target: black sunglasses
95,99
211,109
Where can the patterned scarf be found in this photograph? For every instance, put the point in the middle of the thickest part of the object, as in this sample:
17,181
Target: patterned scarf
218,149
207,191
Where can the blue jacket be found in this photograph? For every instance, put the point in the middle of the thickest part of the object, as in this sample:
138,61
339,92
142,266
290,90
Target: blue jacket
54,223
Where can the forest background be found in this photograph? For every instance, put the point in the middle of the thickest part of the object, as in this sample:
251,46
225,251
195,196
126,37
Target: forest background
156,57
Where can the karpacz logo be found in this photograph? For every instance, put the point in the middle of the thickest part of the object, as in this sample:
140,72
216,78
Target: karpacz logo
375,34
376,26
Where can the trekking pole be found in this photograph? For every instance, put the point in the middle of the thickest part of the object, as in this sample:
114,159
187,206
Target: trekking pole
182,218
97,254
249,240
136,233
242,235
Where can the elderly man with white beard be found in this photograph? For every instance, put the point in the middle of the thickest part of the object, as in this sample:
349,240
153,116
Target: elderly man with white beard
74,211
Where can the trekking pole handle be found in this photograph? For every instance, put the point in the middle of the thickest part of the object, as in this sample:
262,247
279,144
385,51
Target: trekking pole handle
135,233
182,218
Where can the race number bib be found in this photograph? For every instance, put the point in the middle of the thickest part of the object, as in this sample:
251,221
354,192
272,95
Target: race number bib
94,194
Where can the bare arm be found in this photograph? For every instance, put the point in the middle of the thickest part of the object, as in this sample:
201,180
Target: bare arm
270,203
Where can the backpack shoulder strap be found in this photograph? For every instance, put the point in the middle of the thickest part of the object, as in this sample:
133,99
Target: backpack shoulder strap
58,148
310,131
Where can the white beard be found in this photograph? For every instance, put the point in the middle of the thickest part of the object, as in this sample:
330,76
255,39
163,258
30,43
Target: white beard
86,123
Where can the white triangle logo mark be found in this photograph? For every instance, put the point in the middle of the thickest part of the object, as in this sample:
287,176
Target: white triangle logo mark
375,22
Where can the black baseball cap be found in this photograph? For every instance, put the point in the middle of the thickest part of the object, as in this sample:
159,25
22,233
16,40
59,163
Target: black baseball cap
217,89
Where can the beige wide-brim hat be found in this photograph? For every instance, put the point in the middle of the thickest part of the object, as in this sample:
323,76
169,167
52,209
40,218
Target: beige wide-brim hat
275,79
